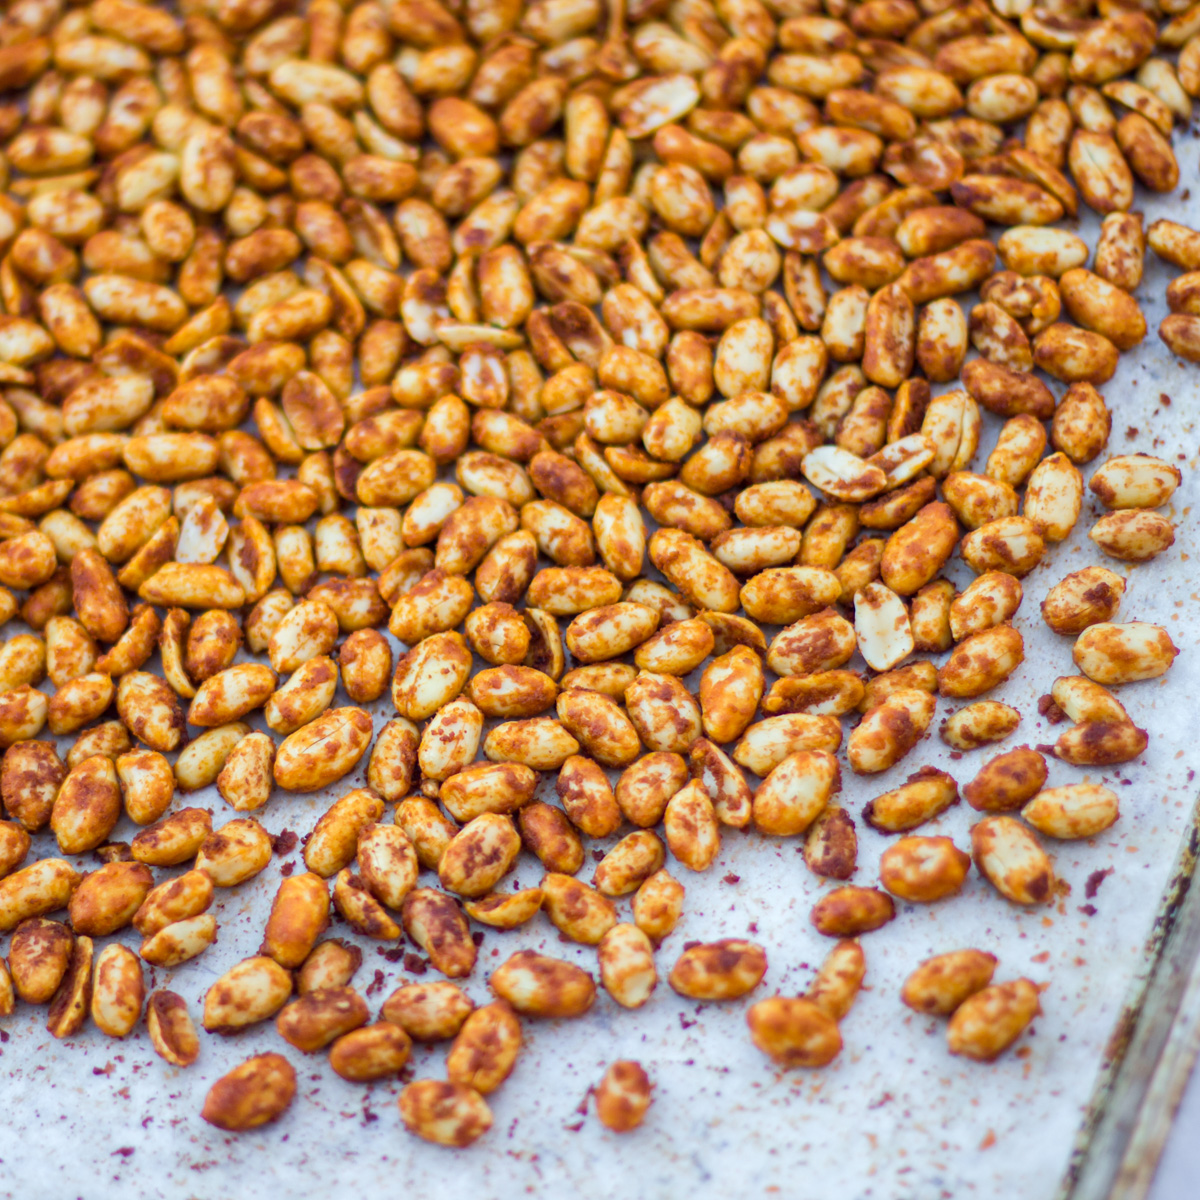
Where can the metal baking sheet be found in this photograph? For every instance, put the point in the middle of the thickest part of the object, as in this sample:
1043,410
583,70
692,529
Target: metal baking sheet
894,1117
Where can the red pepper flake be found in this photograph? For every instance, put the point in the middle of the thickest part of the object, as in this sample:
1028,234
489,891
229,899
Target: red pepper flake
1094,880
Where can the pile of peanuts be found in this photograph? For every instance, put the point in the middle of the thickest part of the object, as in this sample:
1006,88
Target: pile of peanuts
326,320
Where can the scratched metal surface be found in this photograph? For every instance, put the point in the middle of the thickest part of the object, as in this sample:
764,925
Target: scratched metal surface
894,1117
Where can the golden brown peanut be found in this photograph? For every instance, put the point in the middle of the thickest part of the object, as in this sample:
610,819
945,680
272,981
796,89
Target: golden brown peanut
986,1023
436,923
71,1003
177,899
1115,653
479,855
1076,811
1007,781
39,957
831,844
370,1053
447,1114
254,1093
1133,535
87,806
920,799
40,888
118,991
623,1096
889,730
990,600
722,970
981,661
917,550
485,1049
1012,860
923,869
540,986
237,851
506,911
428,1012
795,792
940,984
323,751
794,1031
850,911
320,1017
107,899
171,1030
838,980
331,963
1087,597
1083,701
334,839
299,915
980,724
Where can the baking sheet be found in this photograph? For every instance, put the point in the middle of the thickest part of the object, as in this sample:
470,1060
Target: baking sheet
894,1116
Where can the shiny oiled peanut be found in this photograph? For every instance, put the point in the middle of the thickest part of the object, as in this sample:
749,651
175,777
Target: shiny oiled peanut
251,991
1075,811
838,980
940,984
722,970
505,910
980,724
537,985
320,1017
987,1022
850,911
795,792
1134,481
323,751
254,1093
1124,653
587,797
1091,596
1010,857
794,1031
237,851
331,963
485,1049
1101,743
299,915
889,730
174,899
690,826
479,855
981,661
38,959
371,1052
334,840
172,1033
40,888
831,844
925,795
436,923
1007,781
722,782
445,1113
1133,535
623,1096
107,899
923,869
71,1003
428,1012
1085,701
